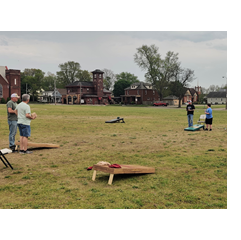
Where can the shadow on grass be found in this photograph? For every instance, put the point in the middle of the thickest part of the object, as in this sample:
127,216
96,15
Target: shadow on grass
120,177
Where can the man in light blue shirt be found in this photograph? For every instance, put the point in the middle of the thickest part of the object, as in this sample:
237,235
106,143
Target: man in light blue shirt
209,117
24,120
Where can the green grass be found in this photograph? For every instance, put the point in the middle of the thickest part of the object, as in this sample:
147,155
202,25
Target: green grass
191,168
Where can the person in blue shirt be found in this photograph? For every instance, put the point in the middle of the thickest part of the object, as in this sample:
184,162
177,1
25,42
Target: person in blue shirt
209,117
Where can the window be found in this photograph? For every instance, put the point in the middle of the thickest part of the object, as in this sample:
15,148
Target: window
87,89
138,92
15,81
127,92
94,75
153,92
145,92
1,91
99,75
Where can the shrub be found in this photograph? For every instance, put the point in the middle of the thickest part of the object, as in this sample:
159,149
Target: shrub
3,101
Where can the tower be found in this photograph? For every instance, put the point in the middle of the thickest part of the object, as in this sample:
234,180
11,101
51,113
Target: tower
98,82
14,79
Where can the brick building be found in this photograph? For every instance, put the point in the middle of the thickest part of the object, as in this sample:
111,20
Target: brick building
192,94
10,82
140,93
88,92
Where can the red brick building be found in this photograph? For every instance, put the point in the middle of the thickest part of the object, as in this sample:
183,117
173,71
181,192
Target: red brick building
90,92
192,94
10,82
140,93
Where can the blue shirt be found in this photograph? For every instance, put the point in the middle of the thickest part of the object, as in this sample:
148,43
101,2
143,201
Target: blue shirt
210,111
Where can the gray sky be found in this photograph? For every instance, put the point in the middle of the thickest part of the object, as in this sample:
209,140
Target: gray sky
205,52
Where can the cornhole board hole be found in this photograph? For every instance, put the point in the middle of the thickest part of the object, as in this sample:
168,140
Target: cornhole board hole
38,145
125,169
117,120
194,127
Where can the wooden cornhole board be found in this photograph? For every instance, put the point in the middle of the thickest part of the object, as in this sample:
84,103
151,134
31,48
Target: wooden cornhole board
194,127
117,120
38,145
125,169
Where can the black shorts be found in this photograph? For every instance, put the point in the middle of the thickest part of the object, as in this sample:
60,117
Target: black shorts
209,121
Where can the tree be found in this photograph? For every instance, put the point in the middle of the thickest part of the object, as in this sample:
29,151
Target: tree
48,82
124,80
69,73
119,87
179,86
84,76
34,80
109,79
159,71
131,78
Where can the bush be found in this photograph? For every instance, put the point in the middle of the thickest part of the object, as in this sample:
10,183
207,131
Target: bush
132,102
19,101
8,99
3,101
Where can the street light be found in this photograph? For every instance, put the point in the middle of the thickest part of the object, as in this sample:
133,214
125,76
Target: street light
226,91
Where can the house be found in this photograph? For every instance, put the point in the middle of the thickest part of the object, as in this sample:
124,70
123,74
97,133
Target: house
192,94
10,82
171,100
49,96
88,92
140,93
219,97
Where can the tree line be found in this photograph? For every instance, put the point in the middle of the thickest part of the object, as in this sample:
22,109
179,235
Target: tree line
166,75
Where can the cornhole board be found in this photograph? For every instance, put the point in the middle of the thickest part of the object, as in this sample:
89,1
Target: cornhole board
117,120
125,169
194,127
38,145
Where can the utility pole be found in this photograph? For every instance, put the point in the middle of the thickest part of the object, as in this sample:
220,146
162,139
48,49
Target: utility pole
226,91
54,91
80,93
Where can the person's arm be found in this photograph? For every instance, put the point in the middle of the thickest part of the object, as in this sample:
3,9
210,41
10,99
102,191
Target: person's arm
10,110
28,115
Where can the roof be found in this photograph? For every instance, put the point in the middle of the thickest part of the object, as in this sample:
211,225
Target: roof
106,91
97,71
217,95
140,85
170,97
62,91
78,83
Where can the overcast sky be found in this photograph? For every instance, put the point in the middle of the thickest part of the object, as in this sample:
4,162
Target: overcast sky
205,52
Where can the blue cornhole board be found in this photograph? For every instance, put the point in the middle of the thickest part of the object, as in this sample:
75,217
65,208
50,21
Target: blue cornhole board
194,127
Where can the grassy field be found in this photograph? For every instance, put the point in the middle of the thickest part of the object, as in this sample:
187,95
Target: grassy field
191,167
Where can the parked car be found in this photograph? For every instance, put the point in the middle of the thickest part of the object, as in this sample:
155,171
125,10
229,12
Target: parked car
160,104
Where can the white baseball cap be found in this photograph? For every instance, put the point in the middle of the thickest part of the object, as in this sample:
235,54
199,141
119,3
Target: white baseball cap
15,95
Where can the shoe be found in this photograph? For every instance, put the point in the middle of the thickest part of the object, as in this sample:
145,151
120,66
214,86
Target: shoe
21,152
210,130
206,129
28,152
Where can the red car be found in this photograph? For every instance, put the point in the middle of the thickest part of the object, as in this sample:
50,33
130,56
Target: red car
160,104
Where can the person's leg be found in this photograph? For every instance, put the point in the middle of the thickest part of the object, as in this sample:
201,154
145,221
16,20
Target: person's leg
12,132
188,120
25,143
21,143
191,119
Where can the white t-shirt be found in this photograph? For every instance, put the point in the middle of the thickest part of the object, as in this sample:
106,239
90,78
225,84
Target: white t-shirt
23,109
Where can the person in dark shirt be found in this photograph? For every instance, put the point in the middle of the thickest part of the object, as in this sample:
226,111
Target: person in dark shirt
12,120
190,111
